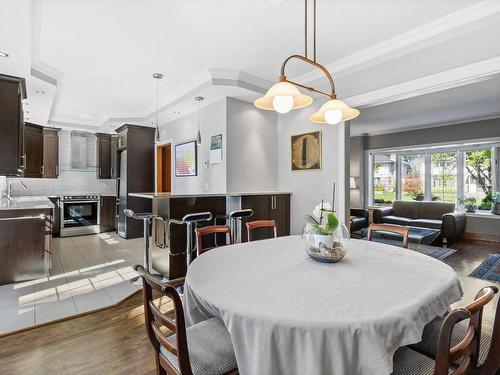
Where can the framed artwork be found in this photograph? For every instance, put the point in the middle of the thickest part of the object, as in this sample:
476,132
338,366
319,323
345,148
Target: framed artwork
186,159
306,151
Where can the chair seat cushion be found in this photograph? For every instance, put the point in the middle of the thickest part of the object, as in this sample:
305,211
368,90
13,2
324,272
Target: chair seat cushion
398,220
410,362
427,223
210,348
428,345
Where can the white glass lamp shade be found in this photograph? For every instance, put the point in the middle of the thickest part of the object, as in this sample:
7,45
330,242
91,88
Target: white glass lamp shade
334,111
283,97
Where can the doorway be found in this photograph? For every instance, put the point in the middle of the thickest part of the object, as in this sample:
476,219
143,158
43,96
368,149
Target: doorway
163,168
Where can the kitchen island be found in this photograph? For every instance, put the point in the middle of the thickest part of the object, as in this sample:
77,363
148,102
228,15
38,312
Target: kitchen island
25,238
168,247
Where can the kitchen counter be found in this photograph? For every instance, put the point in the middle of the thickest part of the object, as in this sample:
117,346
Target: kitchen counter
26,203
228,194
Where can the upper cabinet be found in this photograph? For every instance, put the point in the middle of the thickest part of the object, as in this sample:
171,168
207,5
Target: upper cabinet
106,155
50,167
33,138
12,92
42,151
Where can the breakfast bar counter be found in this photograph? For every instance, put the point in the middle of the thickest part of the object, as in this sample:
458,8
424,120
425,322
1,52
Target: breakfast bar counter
168,244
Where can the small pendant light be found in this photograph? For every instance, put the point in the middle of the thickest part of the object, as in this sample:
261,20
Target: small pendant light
157,77
199,99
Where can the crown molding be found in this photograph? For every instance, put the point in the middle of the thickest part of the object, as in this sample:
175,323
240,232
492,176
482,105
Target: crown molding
464,75
414,39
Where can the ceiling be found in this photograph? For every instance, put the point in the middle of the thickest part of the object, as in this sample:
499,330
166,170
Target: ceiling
93,60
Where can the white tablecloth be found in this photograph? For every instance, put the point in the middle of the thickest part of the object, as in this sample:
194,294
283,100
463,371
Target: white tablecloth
288,314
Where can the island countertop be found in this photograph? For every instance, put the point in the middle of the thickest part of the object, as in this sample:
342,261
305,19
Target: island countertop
26,203
148,195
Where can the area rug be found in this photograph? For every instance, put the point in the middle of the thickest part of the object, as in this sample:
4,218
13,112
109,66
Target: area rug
489,269
432,251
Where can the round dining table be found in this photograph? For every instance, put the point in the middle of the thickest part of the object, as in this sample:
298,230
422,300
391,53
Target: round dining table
289,314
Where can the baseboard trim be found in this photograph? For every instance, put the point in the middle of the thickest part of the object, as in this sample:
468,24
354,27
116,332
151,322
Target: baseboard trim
481,237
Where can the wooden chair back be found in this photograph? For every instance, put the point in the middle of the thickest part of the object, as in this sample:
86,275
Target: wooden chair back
399,229
491,364
156,322
467,350
211,230
258,224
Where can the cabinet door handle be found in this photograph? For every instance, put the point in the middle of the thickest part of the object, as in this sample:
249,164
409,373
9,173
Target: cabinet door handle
42,169
57,170
23,163
100,171
111,171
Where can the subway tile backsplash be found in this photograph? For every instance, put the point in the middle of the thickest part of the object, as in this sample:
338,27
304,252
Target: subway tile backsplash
69,181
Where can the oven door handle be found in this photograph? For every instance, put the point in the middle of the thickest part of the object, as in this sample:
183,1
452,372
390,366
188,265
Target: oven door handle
69,202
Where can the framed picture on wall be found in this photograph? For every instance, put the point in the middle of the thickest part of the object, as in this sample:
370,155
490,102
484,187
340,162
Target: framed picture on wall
186,159
306,151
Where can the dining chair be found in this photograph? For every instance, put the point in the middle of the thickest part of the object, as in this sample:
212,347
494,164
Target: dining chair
203,348
487,361
455,358
211,230
259,224
399,229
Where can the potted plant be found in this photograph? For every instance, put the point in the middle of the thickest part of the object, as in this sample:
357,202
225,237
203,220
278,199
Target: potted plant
326,236
495,206
469,203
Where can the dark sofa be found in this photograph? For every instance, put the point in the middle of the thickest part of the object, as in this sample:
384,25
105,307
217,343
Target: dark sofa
425,214
359,219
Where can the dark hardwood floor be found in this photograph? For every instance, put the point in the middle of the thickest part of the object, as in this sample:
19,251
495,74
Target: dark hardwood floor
114,341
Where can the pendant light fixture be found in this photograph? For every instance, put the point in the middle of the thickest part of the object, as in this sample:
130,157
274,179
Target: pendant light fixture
285,95
157,77
199,99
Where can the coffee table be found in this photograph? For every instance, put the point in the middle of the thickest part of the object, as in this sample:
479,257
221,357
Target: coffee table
417,236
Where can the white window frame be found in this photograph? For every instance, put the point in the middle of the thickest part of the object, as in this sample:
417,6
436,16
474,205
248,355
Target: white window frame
428,151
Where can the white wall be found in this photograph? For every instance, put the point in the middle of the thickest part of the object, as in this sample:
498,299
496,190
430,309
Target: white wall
212,122
252,148
309,187
69,181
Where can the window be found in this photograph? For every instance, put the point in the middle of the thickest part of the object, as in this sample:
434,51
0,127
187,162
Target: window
439,173
413,177
478,176
444,176
384,178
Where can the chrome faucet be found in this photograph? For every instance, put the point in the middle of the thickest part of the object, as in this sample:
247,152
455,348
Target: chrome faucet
9,188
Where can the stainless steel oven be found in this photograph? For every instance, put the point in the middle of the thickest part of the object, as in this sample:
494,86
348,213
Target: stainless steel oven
80,214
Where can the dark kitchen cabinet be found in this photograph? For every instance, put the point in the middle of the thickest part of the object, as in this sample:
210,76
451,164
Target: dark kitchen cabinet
114,156
103,155
268,207
33,138
107,213
56,228
50,165
12,158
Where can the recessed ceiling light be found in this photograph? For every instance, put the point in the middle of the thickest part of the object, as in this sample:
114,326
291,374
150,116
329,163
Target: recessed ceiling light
40,92
176,112
4,54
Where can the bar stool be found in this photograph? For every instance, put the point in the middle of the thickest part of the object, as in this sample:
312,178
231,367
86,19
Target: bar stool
191,221
146,217
233,218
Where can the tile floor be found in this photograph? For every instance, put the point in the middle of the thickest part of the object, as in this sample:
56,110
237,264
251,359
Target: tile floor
87,273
